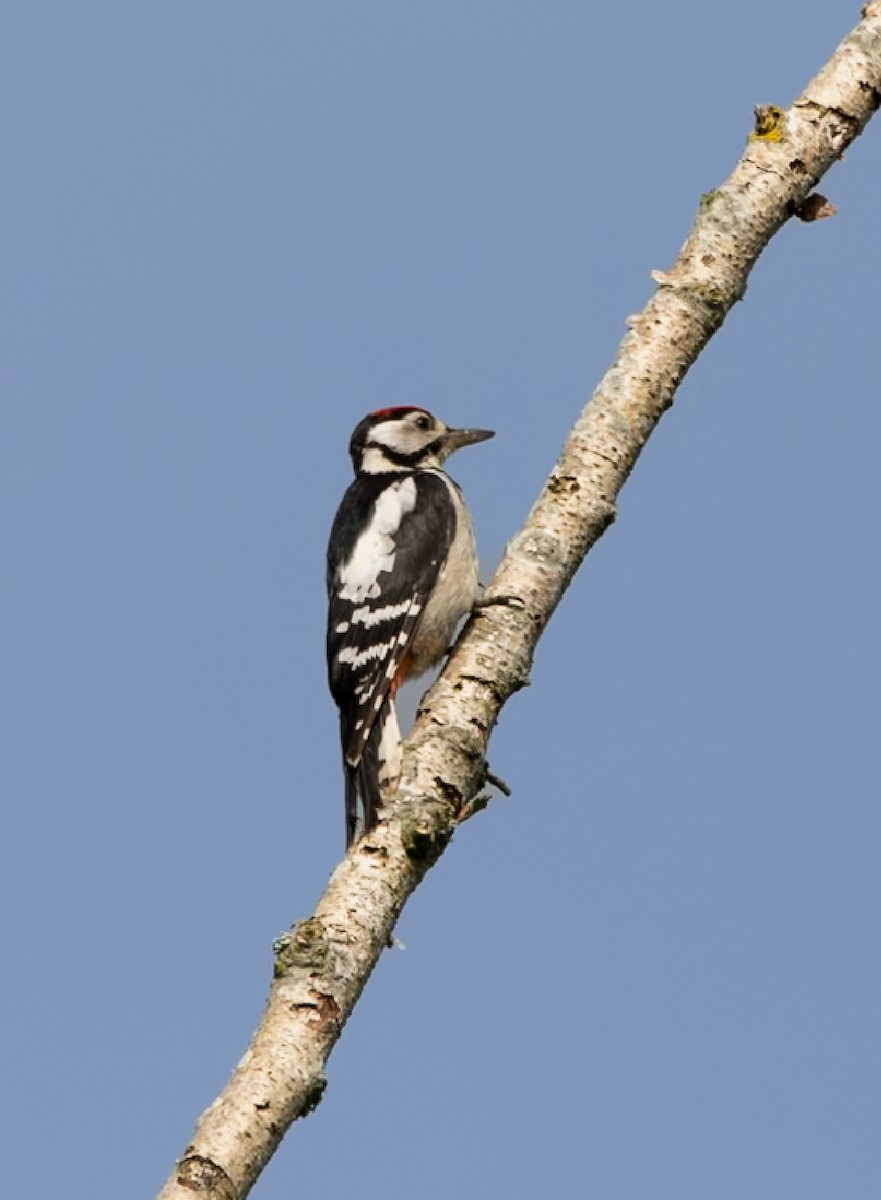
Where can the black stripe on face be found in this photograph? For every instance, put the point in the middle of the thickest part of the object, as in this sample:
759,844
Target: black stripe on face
401,459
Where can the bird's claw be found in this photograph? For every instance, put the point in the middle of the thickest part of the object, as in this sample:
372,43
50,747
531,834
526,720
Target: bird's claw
504,600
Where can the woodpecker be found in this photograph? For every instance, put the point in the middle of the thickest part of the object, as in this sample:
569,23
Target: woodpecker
401,574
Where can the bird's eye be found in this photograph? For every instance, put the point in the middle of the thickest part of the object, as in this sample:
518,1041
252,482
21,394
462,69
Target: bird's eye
423,423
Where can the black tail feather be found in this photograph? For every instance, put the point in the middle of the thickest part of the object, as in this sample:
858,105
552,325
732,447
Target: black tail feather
368,780
362,784
351,803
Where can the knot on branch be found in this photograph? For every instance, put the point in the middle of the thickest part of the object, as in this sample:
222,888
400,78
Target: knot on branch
313,1097
201,1175
321,1007
815,208
427,825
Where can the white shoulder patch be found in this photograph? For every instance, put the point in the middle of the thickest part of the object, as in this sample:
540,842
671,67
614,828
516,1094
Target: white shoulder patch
374,550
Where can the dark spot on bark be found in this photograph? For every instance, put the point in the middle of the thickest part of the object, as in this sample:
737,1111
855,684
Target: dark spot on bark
313,1098
326,1008
874,94
565,484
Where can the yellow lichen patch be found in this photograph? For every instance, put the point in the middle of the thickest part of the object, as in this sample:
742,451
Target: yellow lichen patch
770,124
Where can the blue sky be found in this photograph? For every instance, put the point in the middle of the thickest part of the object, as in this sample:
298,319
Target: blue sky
231,230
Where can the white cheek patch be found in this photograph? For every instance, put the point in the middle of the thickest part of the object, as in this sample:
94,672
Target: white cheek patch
374,550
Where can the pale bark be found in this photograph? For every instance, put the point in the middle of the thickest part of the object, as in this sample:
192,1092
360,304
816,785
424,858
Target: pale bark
325,962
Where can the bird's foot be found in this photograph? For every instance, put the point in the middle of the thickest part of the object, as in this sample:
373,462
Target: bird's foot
505,600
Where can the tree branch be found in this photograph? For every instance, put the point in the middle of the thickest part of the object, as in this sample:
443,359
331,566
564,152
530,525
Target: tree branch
322,966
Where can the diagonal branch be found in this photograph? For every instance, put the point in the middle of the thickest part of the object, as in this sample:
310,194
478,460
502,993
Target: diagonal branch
322,966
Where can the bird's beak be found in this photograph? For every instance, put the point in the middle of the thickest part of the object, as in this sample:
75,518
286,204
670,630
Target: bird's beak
455,439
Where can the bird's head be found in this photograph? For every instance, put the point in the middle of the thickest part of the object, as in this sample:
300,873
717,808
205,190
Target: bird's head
406,439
